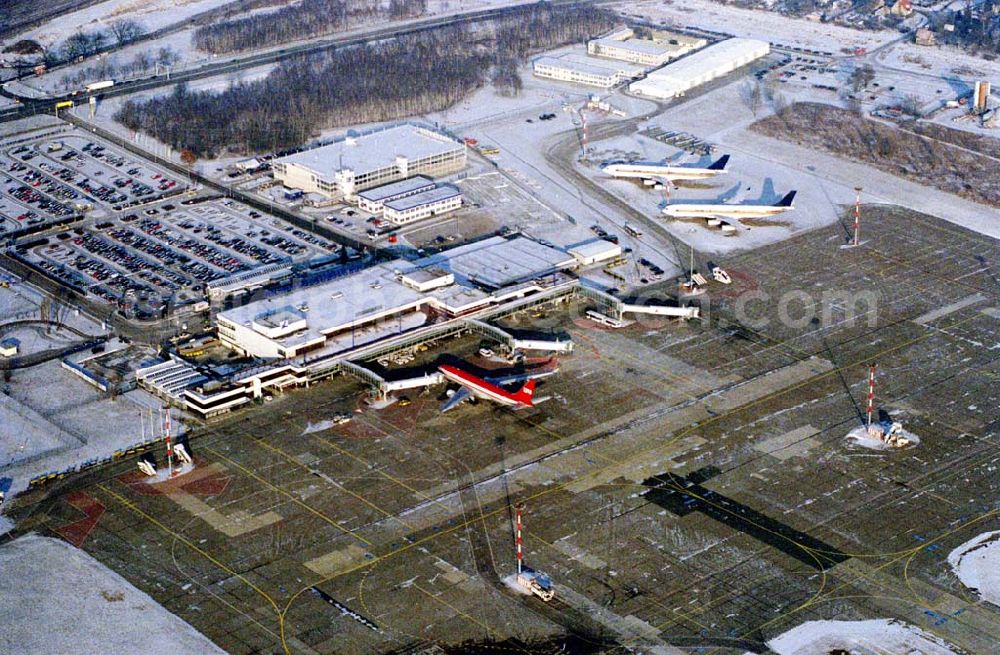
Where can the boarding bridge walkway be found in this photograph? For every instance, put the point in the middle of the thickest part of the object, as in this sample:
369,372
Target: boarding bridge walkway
615,305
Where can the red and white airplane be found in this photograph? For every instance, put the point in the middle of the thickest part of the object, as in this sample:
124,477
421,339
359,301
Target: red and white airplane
489,389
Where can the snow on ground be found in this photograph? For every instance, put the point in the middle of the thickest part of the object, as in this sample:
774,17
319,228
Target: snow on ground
98,424
750,176
859,436
498,121
941,60
764,25
874,637
96,610
322,426
825,182
25,434
152,14
977,565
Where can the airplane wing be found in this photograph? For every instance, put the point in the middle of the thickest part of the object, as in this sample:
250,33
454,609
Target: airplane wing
456,399
504,380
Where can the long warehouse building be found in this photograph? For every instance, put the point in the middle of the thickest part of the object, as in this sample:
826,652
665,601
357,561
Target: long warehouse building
341,169
703,66
586,70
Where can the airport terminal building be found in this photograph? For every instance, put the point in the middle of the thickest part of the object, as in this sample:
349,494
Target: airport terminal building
315,332
341,169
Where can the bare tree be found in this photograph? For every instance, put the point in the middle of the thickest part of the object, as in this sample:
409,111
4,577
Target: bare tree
83,44
861,77
126,30
751,94
407,76
779,104
911,105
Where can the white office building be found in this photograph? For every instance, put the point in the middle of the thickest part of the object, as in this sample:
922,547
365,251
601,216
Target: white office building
678,78
373,200
622,44
589,71
417,206
342,169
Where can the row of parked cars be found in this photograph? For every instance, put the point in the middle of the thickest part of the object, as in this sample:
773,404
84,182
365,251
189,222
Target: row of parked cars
204,251
127,259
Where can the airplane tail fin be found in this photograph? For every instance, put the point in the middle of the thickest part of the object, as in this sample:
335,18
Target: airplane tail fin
787,200
720,165
525,393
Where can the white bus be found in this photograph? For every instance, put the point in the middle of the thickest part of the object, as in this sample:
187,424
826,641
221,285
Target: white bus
634,231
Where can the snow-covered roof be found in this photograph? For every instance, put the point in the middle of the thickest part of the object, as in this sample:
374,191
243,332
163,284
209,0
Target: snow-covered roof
702,65
370,152
436,194
590,65
498,262
394,189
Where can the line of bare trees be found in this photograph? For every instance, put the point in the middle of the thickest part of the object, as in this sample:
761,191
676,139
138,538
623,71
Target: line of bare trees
408,76
113,67
307,19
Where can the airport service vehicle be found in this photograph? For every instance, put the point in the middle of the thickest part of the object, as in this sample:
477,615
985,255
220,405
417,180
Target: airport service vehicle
693,210
604,319
651,172
490,389
721,276
537,583
632,230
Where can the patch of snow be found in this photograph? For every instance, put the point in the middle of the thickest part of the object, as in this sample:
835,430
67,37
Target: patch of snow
152,14
860,437
511,581
977,565
764,25
107,614
322,426
872,637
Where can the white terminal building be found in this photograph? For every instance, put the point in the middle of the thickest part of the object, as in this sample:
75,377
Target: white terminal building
622,44
703,66
301,334
341,169
389,298
591,71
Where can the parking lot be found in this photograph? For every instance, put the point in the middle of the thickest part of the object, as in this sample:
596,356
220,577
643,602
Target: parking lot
169,252
57,176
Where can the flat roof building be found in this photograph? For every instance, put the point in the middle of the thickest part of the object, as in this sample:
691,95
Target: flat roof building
703,66
373,200
622,44
389,298
595,251
590,71
430,202
340,170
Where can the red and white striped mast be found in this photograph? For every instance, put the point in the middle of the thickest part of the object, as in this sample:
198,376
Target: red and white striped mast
520,556
857,216
170,449
871,392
